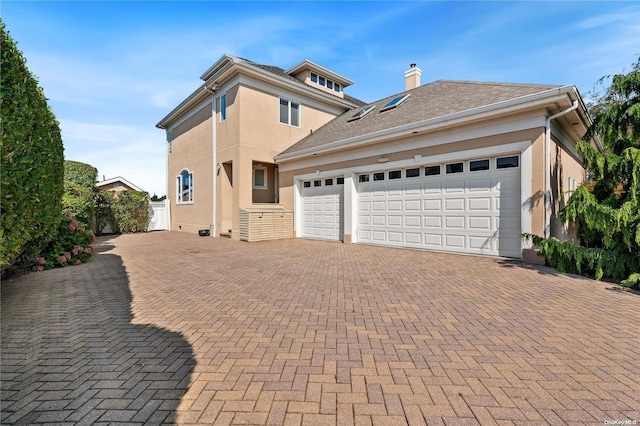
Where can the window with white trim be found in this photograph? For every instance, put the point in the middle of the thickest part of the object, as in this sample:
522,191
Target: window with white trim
289,112
223,107
259,177
184,187
325,82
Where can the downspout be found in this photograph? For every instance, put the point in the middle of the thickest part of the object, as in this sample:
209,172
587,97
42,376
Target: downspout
547,149
214,147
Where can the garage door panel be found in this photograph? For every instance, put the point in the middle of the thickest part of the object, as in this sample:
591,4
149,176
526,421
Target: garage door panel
394,220
413,238
454,222
378,220
479,204
433,240
432,187
454,204
412,221
432,205
379,236
395,237
378,206
454,241
412,205
480,185
479,223
453,187
433,221
480,243
394,205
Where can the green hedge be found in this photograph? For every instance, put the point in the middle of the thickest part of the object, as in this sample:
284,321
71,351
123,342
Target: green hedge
124,212
78,202
131,211
32,170
79,189
80,173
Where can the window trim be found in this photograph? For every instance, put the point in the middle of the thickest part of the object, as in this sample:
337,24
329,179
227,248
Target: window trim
399,100
488,161
289,103
265,177
179,190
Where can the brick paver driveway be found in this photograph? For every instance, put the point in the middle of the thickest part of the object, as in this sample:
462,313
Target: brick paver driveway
174,328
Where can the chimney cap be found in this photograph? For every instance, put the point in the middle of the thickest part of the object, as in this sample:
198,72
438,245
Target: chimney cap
413,65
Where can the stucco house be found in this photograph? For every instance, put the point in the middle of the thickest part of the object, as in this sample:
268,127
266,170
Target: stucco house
451,165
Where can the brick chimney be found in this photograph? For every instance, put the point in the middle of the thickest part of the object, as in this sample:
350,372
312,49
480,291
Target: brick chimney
412,77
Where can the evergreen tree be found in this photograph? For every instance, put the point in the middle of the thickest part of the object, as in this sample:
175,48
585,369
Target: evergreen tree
607,210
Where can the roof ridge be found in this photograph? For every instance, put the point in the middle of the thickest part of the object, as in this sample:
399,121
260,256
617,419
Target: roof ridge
494,83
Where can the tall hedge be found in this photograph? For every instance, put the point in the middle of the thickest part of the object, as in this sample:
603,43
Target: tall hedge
131,211
80,173
79,189
31,172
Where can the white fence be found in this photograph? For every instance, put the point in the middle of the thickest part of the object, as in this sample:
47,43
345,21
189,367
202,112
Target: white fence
158,215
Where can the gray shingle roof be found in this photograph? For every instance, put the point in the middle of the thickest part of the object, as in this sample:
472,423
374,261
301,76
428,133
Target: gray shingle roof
282,73
433,100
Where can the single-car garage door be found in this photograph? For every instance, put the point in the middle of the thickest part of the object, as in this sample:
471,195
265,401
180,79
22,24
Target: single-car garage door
470,206
323,209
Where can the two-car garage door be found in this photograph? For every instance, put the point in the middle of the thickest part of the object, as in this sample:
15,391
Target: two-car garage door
470,206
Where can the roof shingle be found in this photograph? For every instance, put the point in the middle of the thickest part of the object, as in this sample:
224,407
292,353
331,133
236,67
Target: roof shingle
433,100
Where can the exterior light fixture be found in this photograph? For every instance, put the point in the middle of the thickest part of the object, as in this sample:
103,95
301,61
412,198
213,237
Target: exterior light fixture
383,159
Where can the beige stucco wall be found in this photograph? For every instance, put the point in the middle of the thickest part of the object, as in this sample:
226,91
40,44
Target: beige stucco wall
564,165
192,149
252,133
536,135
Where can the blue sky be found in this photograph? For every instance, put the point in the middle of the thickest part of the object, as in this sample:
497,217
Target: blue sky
112,70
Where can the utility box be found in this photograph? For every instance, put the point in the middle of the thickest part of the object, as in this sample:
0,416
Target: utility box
265,223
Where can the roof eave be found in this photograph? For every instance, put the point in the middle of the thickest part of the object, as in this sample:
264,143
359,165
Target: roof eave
538,99
326,71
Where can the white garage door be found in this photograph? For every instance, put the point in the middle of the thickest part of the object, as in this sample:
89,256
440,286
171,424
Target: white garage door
468,206
323,208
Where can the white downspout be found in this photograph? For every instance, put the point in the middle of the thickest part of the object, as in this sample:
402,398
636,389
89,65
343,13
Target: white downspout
214,147
547,150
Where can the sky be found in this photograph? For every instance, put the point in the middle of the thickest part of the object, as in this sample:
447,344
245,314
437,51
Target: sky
112,70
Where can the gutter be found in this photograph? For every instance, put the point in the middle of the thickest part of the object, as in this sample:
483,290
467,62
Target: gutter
547,149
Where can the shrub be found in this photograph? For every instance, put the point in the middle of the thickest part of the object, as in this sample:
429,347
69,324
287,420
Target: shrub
32,161
80,173
72,246
78,202
131,211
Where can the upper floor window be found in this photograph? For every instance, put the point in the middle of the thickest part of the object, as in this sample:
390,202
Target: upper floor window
184,187
289,112
325,82
223,107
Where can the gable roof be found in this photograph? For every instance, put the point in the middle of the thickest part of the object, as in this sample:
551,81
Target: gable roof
217,72
440,98
121,180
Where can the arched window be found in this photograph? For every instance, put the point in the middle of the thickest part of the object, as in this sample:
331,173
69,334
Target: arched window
184,187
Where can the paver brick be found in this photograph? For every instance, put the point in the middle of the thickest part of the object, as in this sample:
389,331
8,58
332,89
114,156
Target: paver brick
309,332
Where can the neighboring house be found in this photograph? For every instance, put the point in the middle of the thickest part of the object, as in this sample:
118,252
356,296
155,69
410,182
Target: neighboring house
117,184
452,165
221,140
